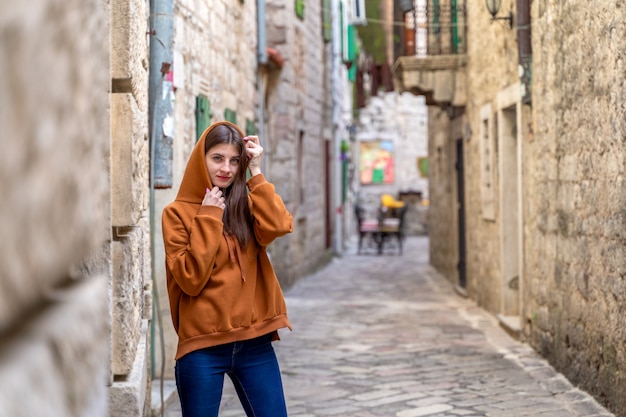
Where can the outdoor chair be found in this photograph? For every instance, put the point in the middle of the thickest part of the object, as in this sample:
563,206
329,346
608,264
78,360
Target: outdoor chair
368,228
392,228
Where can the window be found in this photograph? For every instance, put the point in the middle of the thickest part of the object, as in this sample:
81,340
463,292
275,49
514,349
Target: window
203,114
327,24
250,127
230,116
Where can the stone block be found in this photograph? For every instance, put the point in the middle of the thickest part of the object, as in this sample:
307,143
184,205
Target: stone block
59,356
444,86
127,297
127,396
129,58
129,161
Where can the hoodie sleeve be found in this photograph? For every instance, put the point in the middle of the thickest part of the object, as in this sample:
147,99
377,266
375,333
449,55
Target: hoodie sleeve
190,253
271,217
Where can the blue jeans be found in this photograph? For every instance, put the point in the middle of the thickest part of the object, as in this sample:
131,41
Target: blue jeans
250,364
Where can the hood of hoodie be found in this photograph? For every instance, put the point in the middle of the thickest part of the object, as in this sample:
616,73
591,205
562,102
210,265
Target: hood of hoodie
196,178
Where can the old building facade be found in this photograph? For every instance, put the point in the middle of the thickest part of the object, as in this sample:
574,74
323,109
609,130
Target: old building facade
526,172
99,141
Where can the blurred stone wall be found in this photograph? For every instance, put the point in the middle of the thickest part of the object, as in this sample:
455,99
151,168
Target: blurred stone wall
55,216
575,253
491,69
442,214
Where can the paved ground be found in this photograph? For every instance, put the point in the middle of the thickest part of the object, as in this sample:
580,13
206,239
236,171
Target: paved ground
386,336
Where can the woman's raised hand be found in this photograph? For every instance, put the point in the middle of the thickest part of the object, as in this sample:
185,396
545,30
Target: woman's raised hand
214,197
254,151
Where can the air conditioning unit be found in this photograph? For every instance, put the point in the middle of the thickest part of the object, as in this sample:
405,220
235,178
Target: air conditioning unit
358,13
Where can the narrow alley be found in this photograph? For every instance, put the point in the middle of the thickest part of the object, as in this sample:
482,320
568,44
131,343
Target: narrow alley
387,336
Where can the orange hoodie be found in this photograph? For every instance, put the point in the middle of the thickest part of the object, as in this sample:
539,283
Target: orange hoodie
219,292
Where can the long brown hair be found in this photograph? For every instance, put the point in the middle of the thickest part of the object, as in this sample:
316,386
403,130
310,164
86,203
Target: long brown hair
237,217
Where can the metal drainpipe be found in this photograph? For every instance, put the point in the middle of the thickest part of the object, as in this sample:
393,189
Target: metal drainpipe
524,47
261,60
159,113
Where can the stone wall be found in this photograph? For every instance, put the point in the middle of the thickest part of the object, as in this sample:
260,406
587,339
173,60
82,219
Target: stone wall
575,254
214,56
491,68
443,217
55,215
295,133
131,286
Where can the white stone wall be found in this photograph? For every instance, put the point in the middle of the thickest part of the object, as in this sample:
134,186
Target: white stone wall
214,55
403,120
295,110
55,215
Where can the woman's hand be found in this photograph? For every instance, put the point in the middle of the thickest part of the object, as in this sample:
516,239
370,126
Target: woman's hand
214,197
254,151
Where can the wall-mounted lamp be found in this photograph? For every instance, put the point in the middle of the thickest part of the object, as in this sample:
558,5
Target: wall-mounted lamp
494,7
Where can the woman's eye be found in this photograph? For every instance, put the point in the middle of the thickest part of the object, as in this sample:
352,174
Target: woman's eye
235,161
217,158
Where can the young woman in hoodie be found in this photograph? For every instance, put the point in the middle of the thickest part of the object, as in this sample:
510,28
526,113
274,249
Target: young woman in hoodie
225,300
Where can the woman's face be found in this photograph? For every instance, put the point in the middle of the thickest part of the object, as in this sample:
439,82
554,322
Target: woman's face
223,162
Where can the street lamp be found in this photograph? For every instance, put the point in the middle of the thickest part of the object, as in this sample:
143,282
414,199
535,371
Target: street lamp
494,7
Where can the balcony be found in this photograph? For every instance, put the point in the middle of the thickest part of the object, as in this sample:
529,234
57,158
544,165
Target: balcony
431,59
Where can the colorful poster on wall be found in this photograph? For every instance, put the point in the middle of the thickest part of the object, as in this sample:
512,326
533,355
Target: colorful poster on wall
376,162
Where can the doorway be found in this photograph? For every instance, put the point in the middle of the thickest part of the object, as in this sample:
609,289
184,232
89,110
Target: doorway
510,209
460,200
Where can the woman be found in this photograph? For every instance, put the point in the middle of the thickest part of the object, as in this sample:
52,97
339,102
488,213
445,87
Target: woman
225,300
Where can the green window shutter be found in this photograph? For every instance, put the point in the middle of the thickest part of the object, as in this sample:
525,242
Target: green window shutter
300,9
230,116
327,23
353,51
455,28
250,127
203,114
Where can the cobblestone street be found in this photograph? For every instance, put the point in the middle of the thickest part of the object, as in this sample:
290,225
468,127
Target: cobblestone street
386,336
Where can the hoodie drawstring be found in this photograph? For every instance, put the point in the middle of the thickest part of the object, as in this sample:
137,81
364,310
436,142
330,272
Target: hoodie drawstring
235,258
